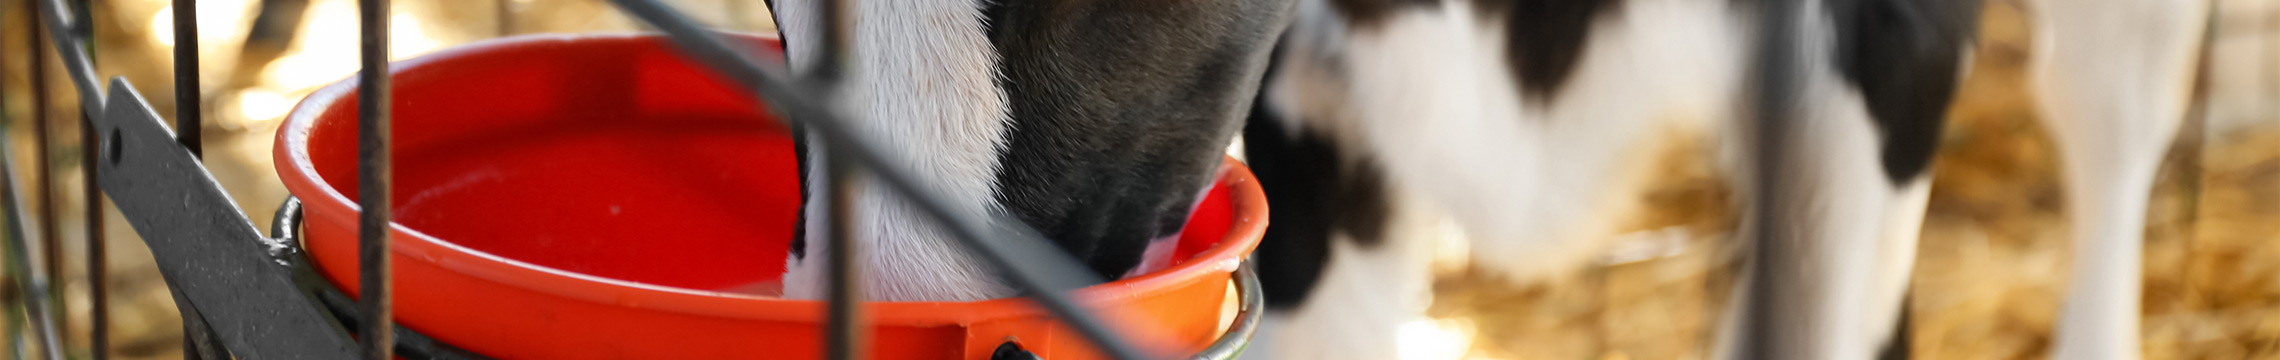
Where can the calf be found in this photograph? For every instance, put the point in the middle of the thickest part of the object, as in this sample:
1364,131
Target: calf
1098,122
1523,123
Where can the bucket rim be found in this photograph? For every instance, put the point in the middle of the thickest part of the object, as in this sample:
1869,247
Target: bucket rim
295,167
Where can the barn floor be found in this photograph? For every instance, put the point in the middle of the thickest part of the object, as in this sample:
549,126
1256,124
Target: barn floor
1986,287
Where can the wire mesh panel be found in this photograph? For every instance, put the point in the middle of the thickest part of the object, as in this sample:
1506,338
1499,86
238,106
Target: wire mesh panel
255,312
215,325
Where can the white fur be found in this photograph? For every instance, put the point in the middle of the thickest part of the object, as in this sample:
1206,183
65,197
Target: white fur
1535,183
1429,96
1431,99
2114,77
1364,295
1842,200
921,80
1854,230
1896,257
1158,254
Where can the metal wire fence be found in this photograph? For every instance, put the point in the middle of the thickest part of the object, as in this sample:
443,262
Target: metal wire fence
233,308
218,321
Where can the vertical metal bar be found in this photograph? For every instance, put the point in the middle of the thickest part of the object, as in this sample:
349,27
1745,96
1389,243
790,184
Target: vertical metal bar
188,129
51,246
45,328
844,337
41,169
503,17
98,272
9,328
188,120
84,30
834,47
373,166
98,262
1765,334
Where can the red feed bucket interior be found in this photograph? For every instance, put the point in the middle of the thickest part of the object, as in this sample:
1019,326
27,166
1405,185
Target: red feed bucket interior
599,197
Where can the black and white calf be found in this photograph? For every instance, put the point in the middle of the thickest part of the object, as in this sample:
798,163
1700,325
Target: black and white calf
1098,122
1520,123
1524,124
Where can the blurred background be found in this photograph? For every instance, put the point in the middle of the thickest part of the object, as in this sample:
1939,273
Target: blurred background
1987,285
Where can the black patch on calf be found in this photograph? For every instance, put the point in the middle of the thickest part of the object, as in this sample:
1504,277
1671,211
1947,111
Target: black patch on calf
1296,174
1296,245
1361,207
799,224
1314,191
1120,112
1545,38
1906,57
800,156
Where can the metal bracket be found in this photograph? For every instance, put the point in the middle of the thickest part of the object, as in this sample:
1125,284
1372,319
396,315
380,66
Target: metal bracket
206,246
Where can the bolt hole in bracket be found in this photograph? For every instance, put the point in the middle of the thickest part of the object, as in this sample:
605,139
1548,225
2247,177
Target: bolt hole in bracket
112,147
256,292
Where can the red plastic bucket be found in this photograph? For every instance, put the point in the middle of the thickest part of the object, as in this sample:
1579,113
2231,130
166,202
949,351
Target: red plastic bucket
605,199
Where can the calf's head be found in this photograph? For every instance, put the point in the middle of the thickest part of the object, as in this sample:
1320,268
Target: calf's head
1095,121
